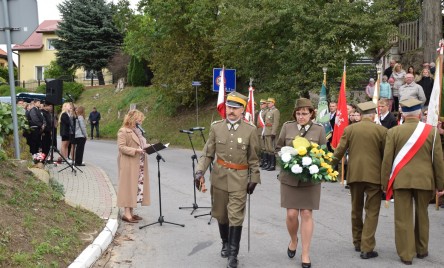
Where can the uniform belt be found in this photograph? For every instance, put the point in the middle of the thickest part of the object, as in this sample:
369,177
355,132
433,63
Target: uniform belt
231,165
268,125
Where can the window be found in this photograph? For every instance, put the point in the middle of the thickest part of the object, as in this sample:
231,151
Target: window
88,75
50,44
39,70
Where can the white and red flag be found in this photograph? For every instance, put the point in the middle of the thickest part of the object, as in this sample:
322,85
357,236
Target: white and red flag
221,108
341,121
249,111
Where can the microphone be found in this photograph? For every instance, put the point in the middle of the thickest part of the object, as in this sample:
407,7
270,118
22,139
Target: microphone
140,128
197,128
186,131
69,96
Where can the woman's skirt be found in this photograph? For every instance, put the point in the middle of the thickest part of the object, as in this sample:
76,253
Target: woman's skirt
297,197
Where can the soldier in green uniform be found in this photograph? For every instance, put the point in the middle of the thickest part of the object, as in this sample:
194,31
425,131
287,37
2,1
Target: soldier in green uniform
235,145
260,125
365,144
271,127
418,173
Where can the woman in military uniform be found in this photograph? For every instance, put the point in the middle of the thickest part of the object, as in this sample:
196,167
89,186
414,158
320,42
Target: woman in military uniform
300,198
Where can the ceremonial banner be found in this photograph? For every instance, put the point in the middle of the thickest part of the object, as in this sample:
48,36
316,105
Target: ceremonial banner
323,116
249,112
221,95
435,98
341,114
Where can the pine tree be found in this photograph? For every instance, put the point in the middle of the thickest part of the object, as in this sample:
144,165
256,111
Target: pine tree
88,37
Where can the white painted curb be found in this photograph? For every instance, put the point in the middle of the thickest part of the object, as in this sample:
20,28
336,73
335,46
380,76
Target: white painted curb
94,251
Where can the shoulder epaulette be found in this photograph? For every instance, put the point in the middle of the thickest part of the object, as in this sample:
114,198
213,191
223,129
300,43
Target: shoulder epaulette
319,124
250,123
218,121
292,121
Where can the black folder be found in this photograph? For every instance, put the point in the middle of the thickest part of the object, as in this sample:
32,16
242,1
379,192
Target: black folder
158,146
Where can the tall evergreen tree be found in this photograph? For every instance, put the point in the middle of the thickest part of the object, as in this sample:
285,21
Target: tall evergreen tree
88,37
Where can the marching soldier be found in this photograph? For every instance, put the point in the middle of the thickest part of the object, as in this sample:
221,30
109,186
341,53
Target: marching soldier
271,126
412,168
365,143
234,143
260,124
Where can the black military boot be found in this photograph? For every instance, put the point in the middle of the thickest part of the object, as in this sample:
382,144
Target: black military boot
234,237
223,230
261,164
272,163
267,162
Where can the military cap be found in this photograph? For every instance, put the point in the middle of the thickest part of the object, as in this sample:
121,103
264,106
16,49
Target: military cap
236,100
271,100
410,105
303,102
263,101
367,107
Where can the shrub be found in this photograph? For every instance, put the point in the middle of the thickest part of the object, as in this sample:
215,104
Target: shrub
5,90
6,129
138,75
130,71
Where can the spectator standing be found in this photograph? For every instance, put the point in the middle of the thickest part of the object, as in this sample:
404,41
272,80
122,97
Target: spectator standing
370,88
47,130
389,70
94,119
385,91
411,90
364,177
37,125
426,82
65,128
432,69
387,119
332,106
420,175
260,125
80,136
398,75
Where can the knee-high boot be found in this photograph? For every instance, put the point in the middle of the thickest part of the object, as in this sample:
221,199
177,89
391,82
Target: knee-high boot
272,165
223,230
234,236
267,161
261,164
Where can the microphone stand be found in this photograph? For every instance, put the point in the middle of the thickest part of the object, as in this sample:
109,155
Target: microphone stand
193,158
211,168
160,220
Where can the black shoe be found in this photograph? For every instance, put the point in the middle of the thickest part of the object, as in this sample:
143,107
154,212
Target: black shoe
306,264
422,256
406,262
232,262
357,248
369,255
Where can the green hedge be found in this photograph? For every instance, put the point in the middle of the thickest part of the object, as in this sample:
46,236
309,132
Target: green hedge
5,90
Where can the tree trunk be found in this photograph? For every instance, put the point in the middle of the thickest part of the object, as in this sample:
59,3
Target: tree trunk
100,77
432,28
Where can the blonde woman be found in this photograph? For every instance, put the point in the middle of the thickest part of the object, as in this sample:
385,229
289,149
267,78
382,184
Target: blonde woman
65,128
398,75
133,180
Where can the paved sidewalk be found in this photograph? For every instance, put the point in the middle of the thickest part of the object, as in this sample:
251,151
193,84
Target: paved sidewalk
89,188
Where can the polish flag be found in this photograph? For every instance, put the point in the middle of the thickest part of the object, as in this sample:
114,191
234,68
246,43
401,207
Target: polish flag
221,96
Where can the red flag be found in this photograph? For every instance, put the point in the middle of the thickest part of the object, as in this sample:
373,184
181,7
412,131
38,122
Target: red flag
341,115
221,95
249,112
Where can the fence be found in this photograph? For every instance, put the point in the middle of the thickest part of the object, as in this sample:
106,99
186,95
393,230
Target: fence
31,85
410,36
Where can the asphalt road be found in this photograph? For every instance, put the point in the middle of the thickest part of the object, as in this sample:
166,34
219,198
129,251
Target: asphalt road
198,243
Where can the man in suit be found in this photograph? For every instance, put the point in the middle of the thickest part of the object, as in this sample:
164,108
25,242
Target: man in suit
387,119
236,145
332,106
363,176
413,150
272,118
260,124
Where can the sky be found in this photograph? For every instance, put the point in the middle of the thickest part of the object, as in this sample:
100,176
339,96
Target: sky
47,10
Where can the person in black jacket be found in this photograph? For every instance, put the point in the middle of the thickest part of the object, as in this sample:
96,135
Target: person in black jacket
387,119
94,118
427,85
36,124
66,130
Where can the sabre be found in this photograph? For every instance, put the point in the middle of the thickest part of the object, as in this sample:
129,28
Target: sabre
249,201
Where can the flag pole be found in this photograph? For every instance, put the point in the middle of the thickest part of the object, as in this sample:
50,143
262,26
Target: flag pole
441,45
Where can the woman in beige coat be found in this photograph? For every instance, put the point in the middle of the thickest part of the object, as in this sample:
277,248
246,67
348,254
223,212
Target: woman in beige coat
133,182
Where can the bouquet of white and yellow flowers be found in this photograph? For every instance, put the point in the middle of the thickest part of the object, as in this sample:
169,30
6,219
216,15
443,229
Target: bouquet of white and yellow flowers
308,161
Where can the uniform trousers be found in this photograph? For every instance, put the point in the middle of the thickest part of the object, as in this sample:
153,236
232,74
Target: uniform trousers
261,142
269,144
411,238
364,231
229,207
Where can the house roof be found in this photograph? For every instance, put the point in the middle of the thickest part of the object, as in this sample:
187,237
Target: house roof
35,40
3,54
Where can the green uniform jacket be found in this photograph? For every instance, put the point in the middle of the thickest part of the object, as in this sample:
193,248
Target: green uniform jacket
365,142
272,121
420,172
240,146
289,131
